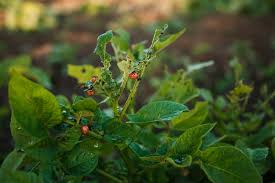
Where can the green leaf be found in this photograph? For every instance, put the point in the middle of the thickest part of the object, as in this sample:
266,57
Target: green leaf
265,133
154,158
121,40
46,171
33,107
138,51
19,64
144,146
166,146
158,33
191,140
160,42
177,87
182,162
199,66
206,95
124,66
191,118
257,155
69,139
100,49
20,136
97,146
80,162
62,53
43,150
239,92
120,133
22,64
259,158
228,165
211,140
157,111
87,104
13,160
39,76
82,73
139,149
63,101
148,138
76,98
7,176
161,151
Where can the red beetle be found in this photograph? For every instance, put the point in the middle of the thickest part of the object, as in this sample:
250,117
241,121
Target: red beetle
133,75
90,92
85,130
94,78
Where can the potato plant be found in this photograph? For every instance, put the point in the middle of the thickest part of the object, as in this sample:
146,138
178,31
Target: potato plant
101,137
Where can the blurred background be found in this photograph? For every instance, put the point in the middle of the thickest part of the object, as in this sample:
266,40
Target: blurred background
40,37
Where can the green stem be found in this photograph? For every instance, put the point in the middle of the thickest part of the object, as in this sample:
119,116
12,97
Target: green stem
132,107
123,84
132,93
115,107
245,103
268,99
115,52
70,123
102,172
35,166
115,103
128,163
129,99
93,134
78,118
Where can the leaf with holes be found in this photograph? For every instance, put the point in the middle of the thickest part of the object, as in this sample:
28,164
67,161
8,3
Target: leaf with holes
82,73
161,41
80,162
100,49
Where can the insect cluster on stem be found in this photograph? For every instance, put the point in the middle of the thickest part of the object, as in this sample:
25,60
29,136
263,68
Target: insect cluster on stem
88,87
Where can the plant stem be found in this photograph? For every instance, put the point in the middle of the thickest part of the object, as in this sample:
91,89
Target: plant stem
95,135
123,84
78,118
133,92
129,99
35,166
115,107
115,52
70,123
128,163
266,101
102,172
245,103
